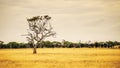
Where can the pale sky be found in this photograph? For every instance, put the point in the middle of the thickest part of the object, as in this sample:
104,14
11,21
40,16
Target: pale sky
73,20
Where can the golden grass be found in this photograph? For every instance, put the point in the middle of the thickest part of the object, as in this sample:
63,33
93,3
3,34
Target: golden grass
60,58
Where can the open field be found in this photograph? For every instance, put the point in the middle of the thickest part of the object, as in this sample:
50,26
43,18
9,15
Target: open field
60,58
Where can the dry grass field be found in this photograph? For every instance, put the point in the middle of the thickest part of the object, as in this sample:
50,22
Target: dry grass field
60,58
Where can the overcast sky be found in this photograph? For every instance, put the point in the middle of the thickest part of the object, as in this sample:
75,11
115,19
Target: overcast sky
73,20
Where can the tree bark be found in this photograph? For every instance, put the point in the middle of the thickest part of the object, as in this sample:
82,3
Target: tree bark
34,50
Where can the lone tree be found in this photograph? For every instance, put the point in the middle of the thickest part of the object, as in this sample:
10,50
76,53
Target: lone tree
39,29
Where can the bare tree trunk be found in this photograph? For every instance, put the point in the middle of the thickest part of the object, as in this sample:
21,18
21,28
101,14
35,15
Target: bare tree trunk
34,49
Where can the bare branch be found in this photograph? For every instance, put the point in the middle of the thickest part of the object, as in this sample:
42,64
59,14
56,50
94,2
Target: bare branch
39,28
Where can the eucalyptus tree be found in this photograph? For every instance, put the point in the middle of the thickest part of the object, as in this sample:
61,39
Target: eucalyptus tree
39,29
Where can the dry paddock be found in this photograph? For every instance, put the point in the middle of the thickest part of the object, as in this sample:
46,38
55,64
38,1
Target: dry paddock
60,58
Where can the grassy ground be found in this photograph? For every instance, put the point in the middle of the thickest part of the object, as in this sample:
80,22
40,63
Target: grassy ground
60,58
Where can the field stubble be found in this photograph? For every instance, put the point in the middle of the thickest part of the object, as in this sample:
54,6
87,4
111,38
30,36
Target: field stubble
60,58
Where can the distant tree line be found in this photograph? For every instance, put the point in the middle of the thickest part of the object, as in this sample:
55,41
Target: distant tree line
64,44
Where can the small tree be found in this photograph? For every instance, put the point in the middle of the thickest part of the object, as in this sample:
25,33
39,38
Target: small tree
1,44
39,29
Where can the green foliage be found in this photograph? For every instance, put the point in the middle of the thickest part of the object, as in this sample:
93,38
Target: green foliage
64,44
13,45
